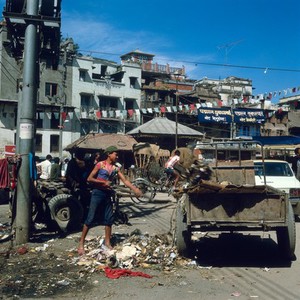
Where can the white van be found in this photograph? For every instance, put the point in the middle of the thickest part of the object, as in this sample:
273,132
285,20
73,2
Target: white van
279,175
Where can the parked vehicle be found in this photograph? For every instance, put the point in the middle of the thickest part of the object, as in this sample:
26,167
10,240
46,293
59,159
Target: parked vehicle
64,210
231,201
279,175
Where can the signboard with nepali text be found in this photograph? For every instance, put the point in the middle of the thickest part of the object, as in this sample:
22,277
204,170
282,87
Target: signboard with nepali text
224,115
248,116
215,115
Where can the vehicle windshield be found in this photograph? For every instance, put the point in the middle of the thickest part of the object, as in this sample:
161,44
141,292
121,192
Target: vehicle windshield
273,169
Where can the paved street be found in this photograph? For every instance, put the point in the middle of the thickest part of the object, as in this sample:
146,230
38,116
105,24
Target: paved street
225,267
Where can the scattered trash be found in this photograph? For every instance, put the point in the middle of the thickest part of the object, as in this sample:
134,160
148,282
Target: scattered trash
203,267
236,294
4,236
63,282
266,269
22,250
116,273
42,248
192,263
135,250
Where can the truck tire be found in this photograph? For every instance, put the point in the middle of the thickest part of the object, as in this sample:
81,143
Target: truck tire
66,211
147,189
286,237
182,233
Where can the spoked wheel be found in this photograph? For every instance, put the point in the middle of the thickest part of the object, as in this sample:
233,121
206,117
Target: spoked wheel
146,188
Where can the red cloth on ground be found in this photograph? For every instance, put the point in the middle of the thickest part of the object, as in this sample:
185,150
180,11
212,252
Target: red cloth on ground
4,174
117,273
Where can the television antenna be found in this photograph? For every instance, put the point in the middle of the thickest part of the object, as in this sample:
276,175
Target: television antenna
228,47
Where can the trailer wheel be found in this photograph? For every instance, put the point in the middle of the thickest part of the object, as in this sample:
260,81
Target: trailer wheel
66,211
182,232
286,237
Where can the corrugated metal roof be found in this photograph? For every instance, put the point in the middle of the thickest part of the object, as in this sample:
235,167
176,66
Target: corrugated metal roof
164,126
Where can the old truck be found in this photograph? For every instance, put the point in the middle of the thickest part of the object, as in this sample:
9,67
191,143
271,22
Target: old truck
230,201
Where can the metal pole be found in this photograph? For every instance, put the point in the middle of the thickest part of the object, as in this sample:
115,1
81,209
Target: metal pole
176,116
26,126
62,101
61,126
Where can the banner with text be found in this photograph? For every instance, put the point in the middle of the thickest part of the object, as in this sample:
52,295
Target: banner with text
214,115
224,115
248,116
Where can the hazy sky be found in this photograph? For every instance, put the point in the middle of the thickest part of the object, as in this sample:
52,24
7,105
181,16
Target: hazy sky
256,36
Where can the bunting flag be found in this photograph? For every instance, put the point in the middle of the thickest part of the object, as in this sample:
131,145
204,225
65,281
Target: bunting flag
286,91
98,114
185,108
64,116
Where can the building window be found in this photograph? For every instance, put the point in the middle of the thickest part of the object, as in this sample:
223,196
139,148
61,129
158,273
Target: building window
85,102
54,143
39,119
82,75
133,82
49,63
103,70
246,130
108,103
129,104
51,89
54,122
38,142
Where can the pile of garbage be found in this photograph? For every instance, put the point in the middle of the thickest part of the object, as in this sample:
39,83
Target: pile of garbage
135,250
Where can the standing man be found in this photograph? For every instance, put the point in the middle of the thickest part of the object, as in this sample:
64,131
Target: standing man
101,179
44,167
296,163
55,173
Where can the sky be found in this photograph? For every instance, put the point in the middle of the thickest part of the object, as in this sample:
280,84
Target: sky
252,39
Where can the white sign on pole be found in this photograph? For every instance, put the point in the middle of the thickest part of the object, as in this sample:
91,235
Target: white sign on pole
26,131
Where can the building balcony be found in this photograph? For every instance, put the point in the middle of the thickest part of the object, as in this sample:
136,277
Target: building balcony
166,69
112,114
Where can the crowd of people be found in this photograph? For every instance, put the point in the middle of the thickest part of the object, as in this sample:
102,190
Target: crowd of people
51,168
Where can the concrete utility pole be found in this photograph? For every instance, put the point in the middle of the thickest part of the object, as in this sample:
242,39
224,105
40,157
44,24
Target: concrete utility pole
26,125
176,75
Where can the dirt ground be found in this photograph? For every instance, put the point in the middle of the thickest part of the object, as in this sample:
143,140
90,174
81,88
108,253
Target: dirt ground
223,267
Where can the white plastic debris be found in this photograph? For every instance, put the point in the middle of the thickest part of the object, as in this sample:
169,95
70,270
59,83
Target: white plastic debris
41,248
63,282
126,253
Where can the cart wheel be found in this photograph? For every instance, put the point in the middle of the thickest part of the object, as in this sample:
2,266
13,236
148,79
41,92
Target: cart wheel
146,188
66,211
182,232
286,236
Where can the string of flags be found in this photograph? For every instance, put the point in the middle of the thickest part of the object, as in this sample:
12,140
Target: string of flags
284,92
186,108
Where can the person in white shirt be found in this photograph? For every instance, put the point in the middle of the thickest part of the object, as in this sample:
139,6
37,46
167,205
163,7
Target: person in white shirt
44,167
169,166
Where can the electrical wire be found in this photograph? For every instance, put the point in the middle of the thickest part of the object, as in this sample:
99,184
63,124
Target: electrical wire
206,63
